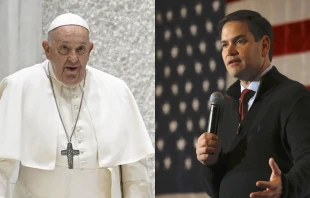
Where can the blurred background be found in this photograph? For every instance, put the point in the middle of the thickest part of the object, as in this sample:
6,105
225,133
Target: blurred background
189,68
123,32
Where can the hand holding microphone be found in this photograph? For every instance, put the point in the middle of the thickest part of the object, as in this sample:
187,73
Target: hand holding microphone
208,145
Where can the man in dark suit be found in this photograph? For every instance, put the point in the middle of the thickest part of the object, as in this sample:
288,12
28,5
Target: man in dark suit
264,118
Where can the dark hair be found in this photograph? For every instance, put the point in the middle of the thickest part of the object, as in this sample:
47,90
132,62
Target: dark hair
258,25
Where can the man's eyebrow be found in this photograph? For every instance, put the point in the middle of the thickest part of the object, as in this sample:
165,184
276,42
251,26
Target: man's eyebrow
235,38
67,42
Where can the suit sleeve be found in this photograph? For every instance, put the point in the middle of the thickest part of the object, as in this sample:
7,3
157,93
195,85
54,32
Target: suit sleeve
136,181
296,183
211,177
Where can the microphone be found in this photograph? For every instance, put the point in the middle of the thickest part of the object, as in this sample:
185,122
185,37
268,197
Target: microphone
216,99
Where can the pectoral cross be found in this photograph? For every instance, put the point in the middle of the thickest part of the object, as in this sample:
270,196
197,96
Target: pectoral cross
70,152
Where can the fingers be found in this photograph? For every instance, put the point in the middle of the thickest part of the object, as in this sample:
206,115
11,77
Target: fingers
209,136
262,194
274,167
273,187
207,143
266,194
266,184
207,139
205,150
203,157
208,147
206,155
212,143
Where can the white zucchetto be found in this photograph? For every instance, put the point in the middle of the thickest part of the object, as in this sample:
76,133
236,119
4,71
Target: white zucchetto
67,19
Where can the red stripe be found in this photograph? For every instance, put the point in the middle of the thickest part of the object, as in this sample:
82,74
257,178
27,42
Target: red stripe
308,87
291,38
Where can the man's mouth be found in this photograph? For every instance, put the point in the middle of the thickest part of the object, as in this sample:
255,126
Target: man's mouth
72,68
235,60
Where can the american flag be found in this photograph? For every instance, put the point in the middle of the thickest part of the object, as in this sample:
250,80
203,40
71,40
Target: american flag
189,68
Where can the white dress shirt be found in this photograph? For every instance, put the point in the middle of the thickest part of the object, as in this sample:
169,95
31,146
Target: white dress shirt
254,86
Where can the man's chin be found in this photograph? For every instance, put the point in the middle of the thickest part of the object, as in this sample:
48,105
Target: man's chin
238,74
234,74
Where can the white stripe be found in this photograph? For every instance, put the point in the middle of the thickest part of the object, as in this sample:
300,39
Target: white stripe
294,66
184,195
276,11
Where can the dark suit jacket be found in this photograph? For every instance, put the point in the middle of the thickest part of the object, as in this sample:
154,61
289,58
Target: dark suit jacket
278,126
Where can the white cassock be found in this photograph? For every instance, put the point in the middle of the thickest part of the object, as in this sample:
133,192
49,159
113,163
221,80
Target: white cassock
110,135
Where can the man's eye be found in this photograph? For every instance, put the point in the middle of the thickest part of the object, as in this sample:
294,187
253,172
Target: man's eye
224,45
64,49
241,41
81,50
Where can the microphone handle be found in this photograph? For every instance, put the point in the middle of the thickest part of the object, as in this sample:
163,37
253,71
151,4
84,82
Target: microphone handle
214,118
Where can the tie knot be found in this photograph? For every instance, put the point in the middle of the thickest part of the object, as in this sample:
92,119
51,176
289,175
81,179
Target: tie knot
246,95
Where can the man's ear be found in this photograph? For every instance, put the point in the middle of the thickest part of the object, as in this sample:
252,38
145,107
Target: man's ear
46,48
265,46
91,46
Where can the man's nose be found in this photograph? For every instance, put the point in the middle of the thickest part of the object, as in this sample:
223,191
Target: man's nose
231,50
73,57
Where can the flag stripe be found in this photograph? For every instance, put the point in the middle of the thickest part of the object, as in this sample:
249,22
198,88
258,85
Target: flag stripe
277,12
291,38
294,66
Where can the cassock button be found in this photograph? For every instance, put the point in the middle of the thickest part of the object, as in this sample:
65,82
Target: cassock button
74,96
80,141
78,129
76,107
81,151
83,162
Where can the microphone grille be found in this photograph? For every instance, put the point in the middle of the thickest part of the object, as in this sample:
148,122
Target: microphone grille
216,98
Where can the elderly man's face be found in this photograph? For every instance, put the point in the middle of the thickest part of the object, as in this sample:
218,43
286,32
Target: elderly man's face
243,56
68,51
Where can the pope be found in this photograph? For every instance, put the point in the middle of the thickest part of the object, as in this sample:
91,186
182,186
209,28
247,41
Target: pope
75,131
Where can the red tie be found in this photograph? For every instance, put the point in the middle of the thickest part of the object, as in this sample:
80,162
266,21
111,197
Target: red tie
244,99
